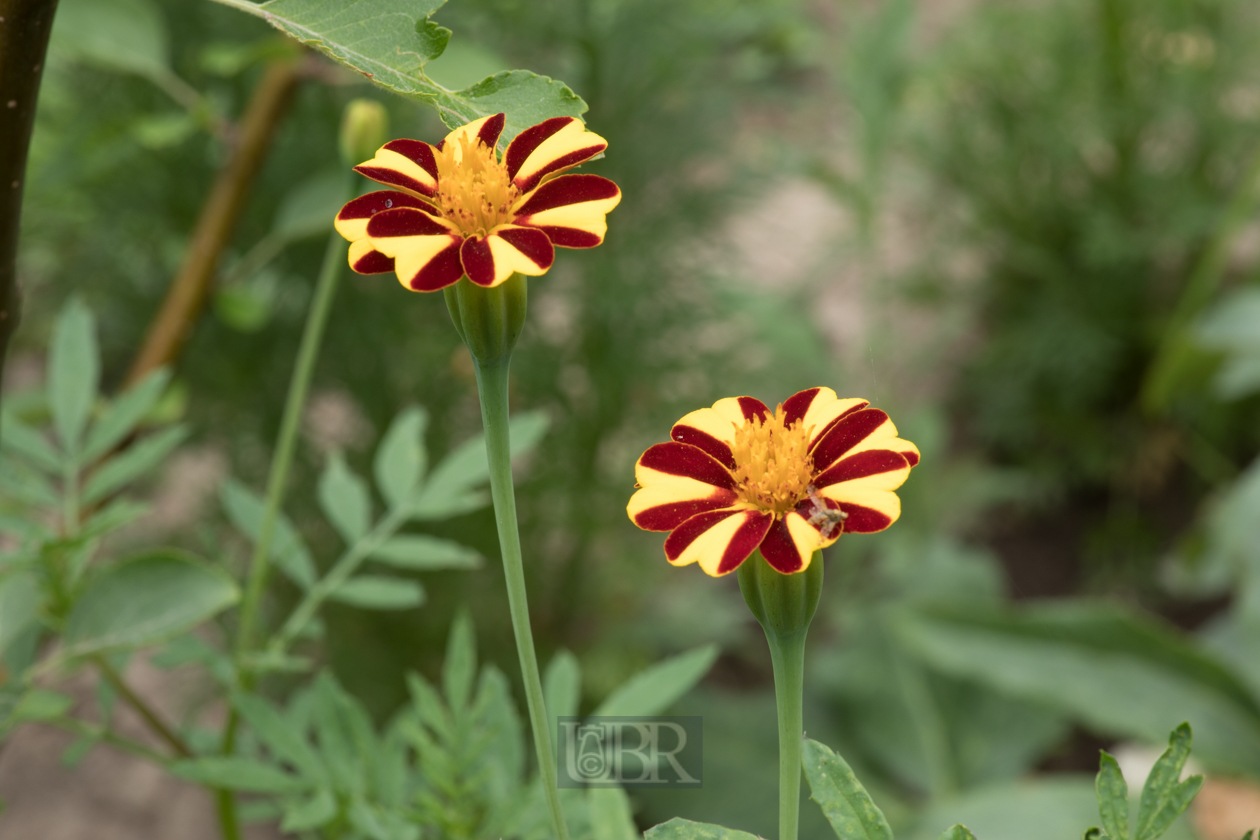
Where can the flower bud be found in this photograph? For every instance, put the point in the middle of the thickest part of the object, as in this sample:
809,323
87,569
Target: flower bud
784,605
489,320
364,129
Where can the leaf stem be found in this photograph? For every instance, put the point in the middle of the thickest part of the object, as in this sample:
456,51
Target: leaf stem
100,733
154,721
492,386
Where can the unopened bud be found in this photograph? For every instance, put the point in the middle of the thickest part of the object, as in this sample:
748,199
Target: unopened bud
364,129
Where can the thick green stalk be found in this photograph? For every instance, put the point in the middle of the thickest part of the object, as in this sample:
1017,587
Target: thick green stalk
282,460
492,384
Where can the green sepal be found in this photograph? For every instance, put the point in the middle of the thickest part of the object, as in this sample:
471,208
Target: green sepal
783,604
488,320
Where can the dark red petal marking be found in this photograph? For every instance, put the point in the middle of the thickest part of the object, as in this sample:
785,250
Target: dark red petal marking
680,459
822,433
440,145
566,190
779,549
691,530
753,407
532,243
912,458
852,429
861,465
561,163
669,516
795,406
373,262
705,441
566,237
416,151
404,221
524,144
478,260
441,271
863,520
394,178
369,204
742,543
815,511
490,130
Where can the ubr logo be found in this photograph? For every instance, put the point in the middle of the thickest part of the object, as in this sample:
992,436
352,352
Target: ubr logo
630,751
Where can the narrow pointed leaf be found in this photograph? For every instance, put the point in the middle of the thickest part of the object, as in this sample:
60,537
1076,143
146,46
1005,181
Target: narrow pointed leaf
310,812
562,688
460,667
124,415
610,814
29,444
345,500
660,686
245,509
401,458
957,832
1163,790
1113,798
126,467
237,773
74,370
845,803
420,552
378,592
19,606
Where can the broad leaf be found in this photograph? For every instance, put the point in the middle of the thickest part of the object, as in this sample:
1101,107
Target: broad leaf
127,466
74,369
377,592
245,509
390,41
1164,797
124,415
1113,798
957,832
425,553
654,690
845,803
237,773
401,457
345,500
146,600
680,829
610,814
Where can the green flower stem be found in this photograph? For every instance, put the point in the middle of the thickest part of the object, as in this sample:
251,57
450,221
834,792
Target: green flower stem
785,605
282,460
492,385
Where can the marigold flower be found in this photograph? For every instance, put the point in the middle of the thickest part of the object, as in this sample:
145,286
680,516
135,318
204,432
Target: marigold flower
737,477
457,209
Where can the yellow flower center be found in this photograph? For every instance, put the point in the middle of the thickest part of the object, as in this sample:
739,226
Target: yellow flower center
773,467
474,190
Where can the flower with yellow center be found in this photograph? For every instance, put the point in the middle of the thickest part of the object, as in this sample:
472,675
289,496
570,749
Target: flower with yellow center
738,477
458,209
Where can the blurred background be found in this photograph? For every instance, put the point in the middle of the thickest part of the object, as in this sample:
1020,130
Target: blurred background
1028,229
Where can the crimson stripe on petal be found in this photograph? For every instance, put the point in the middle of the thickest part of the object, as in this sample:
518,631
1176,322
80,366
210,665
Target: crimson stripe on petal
441,271
779,549
561,163
416,151
863,520
369,204
532,243
823,433
861,465
524,144
795,406
753,407
681,459
394,178
912,458
373,262
490,130
851,430
705,441
566,190
478,260
404,221
566,237
822,514
670,516
746,539
689,531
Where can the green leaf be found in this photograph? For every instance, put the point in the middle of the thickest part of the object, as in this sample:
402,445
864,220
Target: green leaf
1164,798
131,464
957,832
460,667
281,735
41,704
74,370
610,814
1113,798
845,803
124,415
127,36
117,514
238,773
74,754
390,41
145,600
308,209
245,510
654,690
378,592
19,606
401,458
425,553
562,688
466,466
680,829
27,485
309,813
30,444
345,500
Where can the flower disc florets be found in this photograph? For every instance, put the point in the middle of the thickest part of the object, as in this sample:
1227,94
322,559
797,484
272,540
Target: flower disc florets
773,467
474,190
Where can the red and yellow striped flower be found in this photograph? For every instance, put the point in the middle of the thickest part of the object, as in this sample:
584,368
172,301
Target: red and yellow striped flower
457,209
737,477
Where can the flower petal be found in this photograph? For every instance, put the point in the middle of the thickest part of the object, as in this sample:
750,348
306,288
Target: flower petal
351,221
682,460
570,209
404,164
522,249
719,540
548,149
676,482
790,544
869,508
479,265
425,248
486,130
709,430
364,259
882,468
819,409
866,428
